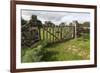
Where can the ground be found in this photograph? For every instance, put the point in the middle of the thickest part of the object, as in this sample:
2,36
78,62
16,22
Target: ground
74,49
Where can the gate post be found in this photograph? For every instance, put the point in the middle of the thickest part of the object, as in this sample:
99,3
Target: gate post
76,31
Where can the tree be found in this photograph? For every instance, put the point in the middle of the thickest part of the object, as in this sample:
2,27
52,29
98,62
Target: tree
34,21
39,23
86,24
70,24
23,22
29,32
62,24
49,23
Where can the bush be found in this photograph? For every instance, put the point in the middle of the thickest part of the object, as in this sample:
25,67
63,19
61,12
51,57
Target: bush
34,54
85,36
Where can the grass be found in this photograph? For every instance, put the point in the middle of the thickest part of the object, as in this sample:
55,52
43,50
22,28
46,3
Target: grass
75,49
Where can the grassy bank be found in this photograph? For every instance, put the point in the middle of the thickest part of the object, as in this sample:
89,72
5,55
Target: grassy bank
75,49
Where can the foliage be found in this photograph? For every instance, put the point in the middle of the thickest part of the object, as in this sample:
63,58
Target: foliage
85,24
62,24
34,21
49,23
29,33
85,36
23,22
33,54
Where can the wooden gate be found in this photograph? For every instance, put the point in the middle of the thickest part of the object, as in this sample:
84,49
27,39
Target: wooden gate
53,34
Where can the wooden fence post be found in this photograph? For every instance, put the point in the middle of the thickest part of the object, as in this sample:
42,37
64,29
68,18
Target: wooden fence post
39,33
73,31
61,33
53,26
43,33
76,25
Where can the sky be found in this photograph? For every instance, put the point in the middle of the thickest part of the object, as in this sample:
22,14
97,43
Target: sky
56,16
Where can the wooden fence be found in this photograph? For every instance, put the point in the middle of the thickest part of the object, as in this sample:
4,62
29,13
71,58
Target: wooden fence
50,33
55,33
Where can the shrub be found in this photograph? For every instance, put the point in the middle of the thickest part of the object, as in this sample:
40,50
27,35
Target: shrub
85,36
34,54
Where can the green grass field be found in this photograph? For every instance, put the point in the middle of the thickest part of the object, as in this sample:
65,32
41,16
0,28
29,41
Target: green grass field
75,49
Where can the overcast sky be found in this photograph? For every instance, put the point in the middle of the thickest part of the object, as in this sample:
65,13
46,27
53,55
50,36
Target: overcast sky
56,17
